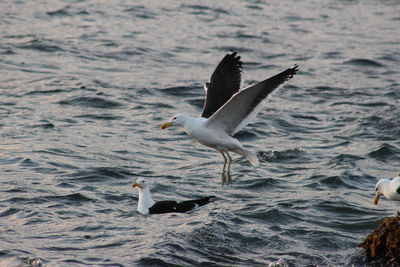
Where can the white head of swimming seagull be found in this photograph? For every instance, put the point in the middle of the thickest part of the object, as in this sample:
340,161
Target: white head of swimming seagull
390,188
147,205
227,110
145,200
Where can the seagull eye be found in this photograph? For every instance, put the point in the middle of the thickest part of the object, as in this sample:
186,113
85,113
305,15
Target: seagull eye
174,118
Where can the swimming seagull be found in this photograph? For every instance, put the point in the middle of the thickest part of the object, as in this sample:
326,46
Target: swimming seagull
389,188
227,110
147,205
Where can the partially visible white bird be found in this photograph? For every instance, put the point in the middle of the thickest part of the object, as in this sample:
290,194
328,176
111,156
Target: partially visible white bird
389,188
227,110
147,205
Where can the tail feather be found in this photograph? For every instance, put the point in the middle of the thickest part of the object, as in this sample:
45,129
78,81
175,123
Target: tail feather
205,200
199,202
250,156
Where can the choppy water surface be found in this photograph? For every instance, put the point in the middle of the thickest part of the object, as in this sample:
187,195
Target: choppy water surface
86,84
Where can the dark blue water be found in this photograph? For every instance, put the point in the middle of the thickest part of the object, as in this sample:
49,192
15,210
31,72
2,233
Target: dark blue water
84,86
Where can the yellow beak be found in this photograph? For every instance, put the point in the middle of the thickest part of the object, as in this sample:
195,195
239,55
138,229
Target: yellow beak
135,185
376,198
165,125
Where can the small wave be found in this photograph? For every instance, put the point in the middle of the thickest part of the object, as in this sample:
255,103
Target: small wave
197,102
8,212
66,11
305,117
259,184
106,117
64,249
340,208
220,241
70,199
122,55
93,102
352,103
65,185
246,135
271,215
7,51
28,163
59,12
141,12
182,91
363,62
98,174
386,152
246,36
152,261
344,159
291,126
386,128
224,48
8,161
203,10
332,55
48,125
46,92
344,180
40,45
336,182
299,18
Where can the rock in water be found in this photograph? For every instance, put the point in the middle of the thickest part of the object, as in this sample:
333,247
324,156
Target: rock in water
383,244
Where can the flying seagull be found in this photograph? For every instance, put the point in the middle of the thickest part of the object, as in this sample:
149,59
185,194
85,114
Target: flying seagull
227,110
147,205
389,188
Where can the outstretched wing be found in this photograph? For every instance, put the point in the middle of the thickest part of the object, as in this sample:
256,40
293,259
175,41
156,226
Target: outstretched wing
244,105
224,82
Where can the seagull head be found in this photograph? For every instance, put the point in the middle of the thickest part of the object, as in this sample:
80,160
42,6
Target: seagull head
178,119
378,191
141,183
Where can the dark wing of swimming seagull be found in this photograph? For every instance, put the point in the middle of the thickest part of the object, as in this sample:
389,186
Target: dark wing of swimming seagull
175,206
224,82
244,105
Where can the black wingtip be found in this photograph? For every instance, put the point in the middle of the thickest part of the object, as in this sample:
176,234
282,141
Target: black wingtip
235,59
224,82
234,53
292,71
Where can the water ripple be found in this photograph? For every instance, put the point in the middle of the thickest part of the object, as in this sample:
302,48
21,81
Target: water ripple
94,102
362,62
